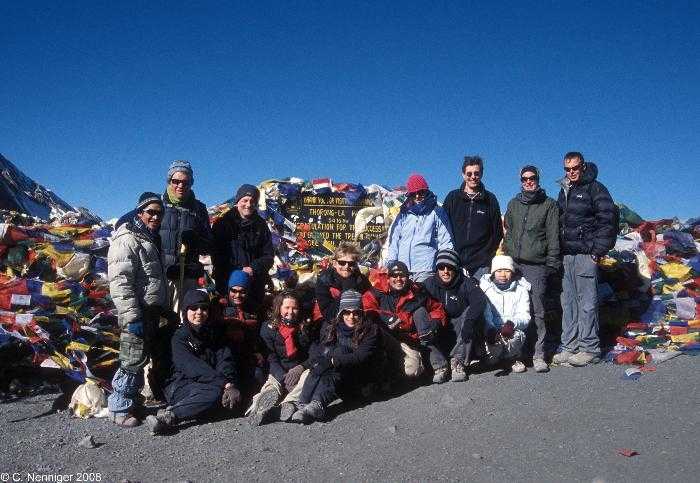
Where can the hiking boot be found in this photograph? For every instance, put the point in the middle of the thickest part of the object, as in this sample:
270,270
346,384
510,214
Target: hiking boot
267,401
440,375
314,411
125,420
562,357
518,367
583,359
161,422
287,410
540,365
458,372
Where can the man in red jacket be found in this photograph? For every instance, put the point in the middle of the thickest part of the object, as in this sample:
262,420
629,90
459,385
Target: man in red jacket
411,317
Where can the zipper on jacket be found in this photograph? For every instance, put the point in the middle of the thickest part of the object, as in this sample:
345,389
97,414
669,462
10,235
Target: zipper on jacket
469,218
522,232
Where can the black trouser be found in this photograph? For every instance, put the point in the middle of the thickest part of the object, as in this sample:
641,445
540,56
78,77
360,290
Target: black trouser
189,399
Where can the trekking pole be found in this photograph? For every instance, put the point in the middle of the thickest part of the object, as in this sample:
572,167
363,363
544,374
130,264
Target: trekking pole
181,279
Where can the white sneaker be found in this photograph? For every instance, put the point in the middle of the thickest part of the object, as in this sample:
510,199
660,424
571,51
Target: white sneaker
562,357
518,367
540,365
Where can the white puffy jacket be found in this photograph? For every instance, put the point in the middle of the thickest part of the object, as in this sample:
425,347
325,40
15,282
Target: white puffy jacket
511,304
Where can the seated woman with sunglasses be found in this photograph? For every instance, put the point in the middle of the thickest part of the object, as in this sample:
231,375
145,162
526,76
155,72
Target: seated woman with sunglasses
204,373
350,365
240,329
464,303
289,345
419,231
344,274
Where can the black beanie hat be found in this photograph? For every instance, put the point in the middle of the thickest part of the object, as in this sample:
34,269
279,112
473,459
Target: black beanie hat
195,296
530,168
398,267
247,190
146,199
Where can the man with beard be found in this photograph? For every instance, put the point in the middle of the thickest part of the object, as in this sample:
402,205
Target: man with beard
475,217
532,240
464,304
419,231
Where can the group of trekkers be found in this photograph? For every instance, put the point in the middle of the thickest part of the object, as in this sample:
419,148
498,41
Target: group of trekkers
444,304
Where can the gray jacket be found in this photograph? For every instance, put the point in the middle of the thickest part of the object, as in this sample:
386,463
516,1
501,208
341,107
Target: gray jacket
136,277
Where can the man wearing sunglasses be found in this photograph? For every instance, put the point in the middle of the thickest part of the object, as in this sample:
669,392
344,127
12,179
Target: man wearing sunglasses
475,216
138,289
185,224
343,274
419,231
532,240
587,231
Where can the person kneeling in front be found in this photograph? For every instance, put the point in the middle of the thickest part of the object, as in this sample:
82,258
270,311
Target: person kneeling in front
507,314
204,374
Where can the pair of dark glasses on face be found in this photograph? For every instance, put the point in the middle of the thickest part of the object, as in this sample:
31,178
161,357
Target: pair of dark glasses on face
349,263
419,194
356,313
472,174
398,275
525,179
573,168
177,182
444,267
194,308
153,212
237,290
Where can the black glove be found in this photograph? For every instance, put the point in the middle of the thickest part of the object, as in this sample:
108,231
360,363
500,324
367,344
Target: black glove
173,272
507,330
321,365
189,238
491,335
292,377
231,397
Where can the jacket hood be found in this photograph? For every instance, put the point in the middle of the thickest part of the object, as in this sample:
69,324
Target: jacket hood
589,175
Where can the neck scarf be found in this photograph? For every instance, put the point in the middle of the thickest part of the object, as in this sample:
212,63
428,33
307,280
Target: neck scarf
288,331
172,197
531,197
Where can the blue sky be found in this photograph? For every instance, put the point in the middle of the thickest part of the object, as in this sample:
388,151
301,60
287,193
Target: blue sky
96,99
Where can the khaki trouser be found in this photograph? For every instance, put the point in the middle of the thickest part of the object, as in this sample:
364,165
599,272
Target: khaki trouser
401,354
273,384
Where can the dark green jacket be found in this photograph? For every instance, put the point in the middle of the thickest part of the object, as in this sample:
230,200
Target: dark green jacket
533,230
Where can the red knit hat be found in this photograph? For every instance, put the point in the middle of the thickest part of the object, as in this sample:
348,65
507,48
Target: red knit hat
416,183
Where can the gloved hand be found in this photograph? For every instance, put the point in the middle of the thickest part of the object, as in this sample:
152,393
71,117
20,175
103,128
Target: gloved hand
507,330
135,328
292,377
189,238
231,397
173,273
491,335
393,322
171,317
321,365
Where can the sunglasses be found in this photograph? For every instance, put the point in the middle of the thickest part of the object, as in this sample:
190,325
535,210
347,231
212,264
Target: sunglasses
419,194
472,174
178,182
525,179
574,168
349,263
237,290
153,212
194,308
397,275
356,313
444,267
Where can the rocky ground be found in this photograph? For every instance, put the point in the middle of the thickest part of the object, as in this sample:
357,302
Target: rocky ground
567,425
